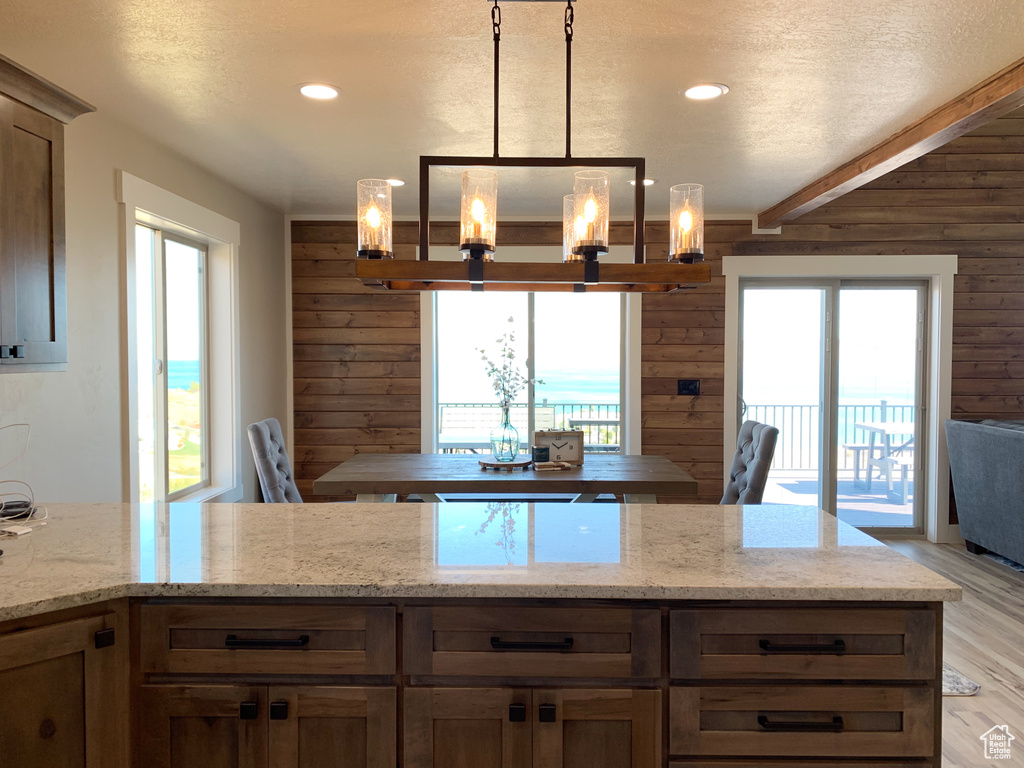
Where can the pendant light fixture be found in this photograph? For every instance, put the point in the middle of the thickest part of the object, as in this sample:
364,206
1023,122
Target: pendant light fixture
373,204
585,227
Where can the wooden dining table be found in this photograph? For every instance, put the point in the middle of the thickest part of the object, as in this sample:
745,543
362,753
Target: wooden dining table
385,477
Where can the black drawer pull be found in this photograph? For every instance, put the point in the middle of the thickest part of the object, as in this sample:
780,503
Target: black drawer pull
19,351
836,726
279,710
546,713
233,641
517,713
248,710
838,648
531,645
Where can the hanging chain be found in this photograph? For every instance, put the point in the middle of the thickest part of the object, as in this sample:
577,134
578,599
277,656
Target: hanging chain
496,26
570,17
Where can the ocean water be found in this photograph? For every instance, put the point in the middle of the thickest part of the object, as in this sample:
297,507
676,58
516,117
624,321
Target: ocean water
181,373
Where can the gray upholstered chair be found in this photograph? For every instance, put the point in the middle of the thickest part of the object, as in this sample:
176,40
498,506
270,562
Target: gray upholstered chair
272,466
748,476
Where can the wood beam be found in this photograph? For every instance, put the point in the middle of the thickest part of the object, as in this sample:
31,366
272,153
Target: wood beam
1001,93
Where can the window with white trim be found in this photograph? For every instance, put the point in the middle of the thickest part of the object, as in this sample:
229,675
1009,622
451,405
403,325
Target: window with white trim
171,338
182,428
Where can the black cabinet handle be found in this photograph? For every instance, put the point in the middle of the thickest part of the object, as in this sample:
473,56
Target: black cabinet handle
19,351
836,726
279,710
546,713
531,645
838,648
517,713
104,638
5,351
233,641
247,710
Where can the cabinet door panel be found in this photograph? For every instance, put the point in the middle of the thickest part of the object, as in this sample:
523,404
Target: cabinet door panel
33,302
340,727
467,728
63,701
183,726
597,729
43,721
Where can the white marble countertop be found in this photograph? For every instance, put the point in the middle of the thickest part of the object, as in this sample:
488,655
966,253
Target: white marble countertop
90,552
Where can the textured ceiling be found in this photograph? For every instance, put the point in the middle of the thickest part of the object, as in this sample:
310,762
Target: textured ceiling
813,82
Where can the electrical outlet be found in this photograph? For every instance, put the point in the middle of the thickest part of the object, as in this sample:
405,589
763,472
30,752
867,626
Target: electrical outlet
688,387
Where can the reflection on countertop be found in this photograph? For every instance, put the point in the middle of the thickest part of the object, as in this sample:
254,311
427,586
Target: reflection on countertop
89,552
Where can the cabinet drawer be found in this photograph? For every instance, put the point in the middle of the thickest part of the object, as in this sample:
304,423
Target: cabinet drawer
268,639
802,721
799,644
533,642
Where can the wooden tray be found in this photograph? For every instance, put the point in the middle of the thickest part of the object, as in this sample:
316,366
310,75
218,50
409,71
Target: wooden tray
492,463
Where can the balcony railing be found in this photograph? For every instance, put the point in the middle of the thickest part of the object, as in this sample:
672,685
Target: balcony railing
600,423
800,428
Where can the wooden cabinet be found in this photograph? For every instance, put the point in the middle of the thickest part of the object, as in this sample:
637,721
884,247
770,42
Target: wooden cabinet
64,695
244,726
33,292
830,721
533,641
468,728
587,728
795,644
518,684
274,639
542,728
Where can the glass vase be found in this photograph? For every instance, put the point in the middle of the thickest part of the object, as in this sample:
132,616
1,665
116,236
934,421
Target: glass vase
505,438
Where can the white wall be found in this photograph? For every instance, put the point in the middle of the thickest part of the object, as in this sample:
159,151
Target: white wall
76,452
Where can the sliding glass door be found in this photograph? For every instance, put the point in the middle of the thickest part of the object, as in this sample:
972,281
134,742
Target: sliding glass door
838,367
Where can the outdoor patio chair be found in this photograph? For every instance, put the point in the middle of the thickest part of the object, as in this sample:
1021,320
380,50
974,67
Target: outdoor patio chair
755,446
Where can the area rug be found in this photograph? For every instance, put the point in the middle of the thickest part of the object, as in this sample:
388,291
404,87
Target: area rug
1005,561
956,683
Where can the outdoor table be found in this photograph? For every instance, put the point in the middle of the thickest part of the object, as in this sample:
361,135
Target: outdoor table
885,429
383,477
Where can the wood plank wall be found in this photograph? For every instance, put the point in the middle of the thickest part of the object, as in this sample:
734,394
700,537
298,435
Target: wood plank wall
965,198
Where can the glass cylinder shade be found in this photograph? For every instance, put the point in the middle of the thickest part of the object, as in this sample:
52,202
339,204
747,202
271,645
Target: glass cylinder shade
478,222
569,230
373,206
591,203
686,220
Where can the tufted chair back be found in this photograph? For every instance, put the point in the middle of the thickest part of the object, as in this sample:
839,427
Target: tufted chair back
272,465
748,476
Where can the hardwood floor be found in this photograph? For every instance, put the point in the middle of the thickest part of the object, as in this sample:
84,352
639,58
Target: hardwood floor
984,639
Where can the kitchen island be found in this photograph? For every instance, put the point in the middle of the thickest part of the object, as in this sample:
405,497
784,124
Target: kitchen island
456,635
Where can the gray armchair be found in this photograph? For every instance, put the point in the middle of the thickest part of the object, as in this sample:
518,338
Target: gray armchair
272,466
748,476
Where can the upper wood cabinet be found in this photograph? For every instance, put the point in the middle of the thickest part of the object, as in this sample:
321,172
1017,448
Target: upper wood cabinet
33,286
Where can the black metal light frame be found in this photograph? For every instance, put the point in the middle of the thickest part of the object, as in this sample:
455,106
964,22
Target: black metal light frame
443,161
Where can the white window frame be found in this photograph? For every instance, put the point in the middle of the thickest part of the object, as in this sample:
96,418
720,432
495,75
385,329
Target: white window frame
938,270
145,203
630,352
160,389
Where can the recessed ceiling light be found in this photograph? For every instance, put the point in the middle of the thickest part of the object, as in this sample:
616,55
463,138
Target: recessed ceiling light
647,182
395,182
320,91
706,91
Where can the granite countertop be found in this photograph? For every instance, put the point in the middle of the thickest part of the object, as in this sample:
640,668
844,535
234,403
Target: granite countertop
90,552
